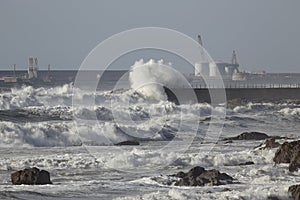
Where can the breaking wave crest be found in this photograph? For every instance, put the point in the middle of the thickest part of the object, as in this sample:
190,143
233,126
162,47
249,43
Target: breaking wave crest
45,116
148,78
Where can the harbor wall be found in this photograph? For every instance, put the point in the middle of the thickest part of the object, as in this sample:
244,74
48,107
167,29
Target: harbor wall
247,94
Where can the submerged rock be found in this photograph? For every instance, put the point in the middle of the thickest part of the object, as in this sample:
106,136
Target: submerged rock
198,176
295,191
132,143
31,176
289,152
249,136
247,163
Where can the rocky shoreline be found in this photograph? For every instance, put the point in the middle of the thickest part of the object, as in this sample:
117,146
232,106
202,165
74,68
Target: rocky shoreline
197,176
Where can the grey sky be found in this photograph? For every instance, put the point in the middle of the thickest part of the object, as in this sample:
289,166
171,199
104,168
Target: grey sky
265,33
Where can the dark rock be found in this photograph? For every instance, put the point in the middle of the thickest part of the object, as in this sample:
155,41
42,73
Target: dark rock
295,191
269,144
249,136
198,176
128,143
43,178
196,171
289,152
30,176
180,174
295,161
272,197
247,163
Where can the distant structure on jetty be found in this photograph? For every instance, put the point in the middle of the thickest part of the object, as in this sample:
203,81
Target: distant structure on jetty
30,78
228,71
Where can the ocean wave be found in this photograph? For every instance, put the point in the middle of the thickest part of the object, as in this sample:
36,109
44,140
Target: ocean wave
148,78
265,107
37,134
290,111
49,117
76,133
27,96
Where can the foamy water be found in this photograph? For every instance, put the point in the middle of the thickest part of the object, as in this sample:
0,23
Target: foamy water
40,127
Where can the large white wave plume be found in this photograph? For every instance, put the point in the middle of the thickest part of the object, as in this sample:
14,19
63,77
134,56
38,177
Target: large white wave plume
149,78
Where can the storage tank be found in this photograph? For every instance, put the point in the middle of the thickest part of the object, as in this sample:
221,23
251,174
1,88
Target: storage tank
202,69
213,69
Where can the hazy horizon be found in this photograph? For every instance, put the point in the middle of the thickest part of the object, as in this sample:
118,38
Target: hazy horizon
61,33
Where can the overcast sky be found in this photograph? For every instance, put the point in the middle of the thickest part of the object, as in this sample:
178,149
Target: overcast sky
265,33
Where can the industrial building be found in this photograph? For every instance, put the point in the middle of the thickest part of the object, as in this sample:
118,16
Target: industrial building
30,77
229,71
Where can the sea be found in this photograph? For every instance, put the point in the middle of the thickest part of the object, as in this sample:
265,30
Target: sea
71,132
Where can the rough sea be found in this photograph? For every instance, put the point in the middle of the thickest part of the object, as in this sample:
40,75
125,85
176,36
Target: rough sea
41,127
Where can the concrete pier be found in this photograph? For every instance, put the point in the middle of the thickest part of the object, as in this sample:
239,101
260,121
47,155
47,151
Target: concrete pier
182,95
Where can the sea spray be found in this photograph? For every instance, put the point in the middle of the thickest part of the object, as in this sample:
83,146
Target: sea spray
149,78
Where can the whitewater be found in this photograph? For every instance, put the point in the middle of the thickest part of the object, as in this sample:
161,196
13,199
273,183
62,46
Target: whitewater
41,127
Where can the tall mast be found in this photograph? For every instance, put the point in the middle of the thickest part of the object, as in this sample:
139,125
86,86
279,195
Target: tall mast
15,70
200,40
202,51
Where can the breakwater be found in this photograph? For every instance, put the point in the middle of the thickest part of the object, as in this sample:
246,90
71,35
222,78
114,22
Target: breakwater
201,95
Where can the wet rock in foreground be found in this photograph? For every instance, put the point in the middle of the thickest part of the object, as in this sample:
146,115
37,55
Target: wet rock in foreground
198,176
31,176
295,191
269,144
289,152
